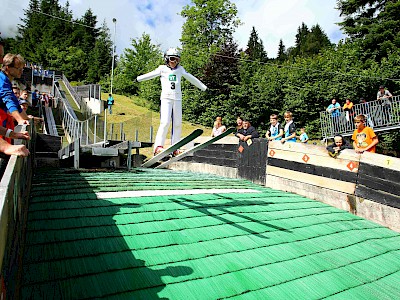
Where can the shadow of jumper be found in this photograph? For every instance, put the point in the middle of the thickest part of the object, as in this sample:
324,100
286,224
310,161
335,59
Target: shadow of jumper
224,208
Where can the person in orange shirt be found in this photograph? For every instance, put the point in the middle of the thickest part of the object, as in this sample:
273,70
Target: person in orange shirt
348,109
364,138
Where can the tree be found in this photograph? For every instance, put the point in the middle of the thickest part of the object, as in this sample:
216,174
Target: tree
282,55
207,31
143,57
100,57
309,42
255,48
373,24
209,24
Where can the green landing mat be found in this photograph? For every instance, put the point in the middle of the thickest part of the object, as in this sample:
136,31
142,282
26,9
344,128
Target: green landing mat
266,244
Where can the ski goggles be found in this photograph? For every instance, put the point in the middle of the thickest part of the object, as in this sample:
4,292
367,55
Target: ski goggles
173,58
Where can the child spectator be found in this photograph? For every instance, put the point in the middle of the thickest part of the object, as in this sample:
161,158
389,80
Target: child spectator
303,136
275,131
290,128
364,138
110,103
338,145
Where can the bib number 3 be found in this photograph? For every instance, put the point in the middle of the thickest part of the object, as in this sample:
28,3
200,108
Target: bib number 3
172,85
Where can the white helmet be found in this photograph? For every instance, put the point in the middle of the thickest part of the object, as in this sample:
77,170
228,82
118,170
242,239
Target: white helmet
171,52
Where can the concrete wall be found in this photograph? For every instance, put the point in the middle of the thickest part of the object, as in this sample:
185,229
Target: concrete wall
365,184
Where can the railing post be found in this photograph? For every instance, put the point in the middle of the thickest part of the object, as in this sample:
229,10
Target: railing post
129,159
87,132
76,153
95,129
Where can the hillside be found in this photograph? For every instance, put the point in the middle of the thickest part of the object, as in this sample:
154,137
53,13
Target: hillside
134,114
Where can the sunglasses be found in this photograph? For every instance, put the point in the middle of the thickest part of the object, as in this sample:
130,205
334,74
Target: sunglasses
173,58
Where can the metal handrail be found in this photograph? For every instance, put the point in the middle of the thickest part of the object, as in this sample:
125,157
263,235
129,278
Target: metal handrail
381,115
73,128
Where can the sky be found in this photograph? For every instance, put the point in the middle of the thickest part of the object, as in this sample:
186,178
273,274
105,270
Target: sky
272,19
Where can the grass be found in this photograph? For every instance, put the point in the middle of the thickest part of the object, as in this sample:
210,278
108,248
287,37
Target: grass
134,117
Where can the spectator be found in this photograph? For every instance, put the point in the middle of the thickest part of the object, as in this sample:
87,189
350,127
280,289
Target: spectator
45,99
16,90
35,98
334,108
338,145
7,148
171,96
366,111
8,133
290,128
384,96
239,123
12,68
24,105
275,131
364,138
348,109
24,96
110,103
247,132
218,128
303,136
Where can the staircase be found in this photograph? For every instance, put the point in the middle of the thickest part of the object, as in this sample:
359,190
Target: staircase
47,147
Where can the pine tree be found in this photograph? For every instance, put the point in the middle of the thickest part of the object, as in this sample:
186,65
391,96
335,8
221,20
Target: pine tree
282,55
373,24
255,48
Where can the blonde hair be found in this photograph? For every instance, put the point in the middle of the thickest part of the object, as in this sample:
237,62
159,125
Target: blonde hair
360,118
289,114
10,60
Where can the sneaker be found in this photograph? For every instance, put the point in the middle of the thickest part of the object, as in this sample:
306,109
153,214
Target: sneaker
158,150
177,152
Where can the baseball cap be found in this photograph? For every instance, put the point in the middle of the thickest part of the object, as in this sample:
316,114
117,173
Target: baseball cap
22,101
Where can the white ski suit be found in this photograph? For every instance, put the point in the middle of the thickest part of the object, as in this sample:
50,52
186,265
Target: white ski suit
171,100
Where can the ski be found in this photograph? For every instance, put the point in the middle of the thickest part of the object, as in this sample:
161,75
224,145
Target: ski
196,133
194,149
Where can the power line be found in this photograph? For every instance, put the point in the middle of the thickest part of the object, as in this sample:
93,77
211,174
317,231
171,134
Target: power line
66,20
306,69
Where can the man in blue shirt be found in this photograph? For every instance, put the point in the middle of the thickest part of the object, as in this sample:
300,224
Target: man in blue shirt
13,65
334,108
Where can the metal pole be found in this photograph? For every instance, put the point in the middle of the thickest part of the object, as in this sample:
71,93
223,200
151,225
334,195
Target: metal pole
129,159
113,54
95,129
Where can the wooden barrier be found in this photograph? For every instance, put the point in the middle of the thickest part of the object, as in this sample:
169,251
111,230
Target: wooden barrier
364,184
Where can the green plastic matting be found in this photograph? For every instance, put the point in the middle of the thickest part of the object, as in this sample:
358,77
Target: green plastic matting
261,245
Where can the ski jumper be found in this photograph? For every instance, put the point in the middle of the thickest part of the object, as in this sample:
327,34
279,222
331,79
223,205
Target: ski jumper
171,100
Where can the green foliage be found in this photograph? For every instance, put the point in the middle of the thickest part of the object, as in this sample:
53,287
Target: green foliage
142,58
76,47
375,25
255,48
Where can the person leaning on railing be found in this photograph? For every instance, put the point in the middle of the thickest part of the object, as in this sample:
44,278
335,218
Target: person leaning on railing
9,149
